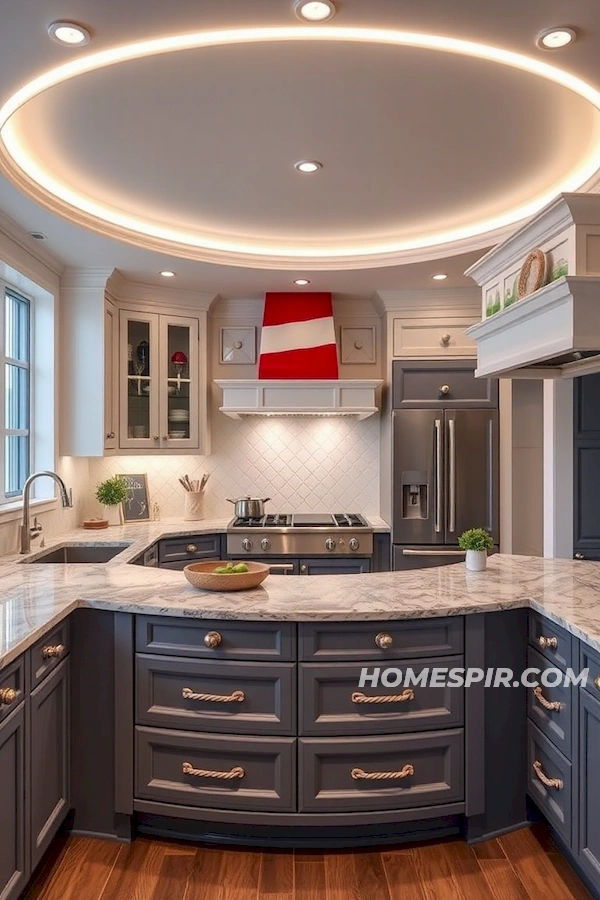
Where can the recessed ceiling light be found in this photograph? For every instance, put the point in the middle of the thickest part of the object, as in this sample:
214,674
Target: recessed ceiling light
314,10
38,235
308,165
301,281
440,276
555,38
69,33
167,274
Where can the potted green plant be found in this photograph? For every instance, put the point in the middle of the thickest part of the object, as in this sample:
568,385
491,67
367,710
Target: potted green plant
111,494
477,542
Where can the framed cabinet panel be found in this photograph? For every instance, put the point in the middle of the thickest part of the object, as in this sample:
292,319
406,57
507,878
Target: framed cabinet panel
13,855
111,387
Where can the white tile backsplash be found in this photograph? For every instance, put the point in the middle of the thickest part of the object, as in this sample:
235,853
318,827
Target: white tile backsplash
302,464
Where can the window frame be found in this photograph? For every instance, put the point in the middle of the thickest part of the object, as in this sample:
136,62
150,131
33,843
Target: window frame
10,291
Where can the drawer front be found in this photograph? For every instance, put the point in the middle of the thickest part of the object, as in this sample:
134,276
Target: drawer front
556,723
208,695
427,384
421,770
419,338
12,687
47,653
347,641
257,773
551,640
189,548
230,639
590,659
549,781
331,701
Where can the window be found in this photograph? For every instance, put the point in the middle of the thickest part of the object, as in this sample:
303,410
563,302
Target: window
15,389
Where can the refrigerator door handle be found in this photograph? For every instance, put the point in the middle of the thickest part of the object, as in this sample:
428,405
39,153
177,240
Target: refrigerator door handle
452,475
433,552
438,476
490,476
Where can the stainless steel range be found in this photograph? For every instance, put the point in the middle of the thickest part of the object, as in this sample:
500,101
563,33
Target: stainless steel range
301,534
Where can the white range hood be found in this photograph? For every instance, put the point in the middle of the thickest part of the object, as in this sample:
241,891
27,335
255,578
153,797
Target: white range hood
552,333
339,397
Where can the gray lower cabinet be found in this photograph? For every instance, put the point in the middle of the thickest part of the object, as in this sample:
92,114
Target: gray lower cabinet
550,781
13,833
588,850
49,754
551,708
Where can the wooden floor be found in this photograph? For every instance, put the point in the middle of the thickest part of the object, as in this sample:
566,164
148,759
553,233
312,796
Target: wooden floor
524,865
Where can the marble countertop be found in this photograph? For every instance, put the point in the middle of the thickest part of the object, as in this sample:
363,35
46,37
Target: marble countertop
35,597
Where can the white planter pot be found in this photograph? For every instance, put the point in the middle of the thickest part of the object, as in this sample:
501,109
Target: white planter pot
476,560
113,514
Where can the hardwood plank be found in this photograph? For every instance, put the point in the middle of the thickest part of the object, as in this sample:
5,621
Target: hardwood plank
435,874
309,879
464,866
340,877
174,873
370,876
204,882
533,867
276,875
488,850
570,878
240,873
504,882
402,876
82,870
136,872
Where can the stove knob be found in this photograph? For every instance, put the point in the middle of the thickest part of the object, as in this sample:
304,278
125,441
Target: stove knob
265,544
354,543
247,544
330,544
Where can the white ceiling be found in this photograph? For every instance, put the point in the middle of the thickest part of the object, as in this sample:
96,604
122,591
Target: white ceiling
414,143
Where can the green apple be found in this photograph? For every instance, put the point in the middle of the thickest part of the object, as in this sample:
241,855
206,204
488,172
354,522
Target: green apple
240,567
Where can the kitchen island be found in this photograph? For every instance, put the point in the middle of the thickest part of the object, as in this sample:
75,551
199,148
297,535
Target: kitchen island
239,717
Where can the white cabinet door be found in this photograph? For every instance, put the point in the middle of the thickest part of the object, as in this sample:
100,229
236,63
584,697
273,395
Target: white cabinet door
178,390
139,380
111,384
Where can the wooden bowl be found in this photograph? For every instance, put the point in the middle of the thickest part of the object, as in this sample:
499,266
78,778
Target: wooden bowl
202,575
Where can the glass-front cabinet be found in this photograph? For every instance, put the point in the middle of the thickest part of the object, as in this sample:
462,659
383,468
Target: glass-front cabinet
159,381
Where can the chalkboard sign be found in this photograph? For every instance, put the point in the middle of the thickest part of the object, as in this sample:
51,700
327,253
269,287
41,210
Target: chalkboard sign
137,506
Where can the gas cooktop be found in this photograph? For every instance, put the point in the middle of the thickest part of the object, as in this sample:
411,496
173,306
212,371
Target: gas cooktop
303,520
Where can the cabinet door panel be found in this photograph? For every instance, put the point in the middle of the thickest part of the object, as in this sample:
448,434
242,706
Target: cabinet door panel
178,392
138,380
13,865
334,566
49,738
549,781
589,785
111,390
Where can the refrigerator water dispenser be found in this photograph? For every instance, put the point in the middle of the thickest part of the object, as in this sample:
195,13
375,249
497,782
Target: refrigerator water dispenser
414,495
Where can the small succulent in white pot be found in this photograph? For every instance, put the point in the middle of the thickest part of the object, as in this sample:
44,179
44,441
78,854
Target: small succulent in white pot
477,542
111,494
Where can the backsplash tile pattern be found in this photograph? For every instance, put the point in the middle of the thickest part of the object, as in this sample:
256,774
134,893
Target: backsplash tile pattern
302,464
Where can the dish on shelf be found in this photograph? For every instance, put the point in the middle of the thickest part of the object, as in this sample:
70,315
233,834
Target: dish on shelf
171,389
179,415
177,434
202,575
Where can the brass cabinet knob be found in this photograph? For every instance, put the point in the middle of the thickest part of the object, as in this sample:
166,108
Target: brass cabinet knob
578,556
156,437
445,339
191,548
597,682
384,640
444,389
110,435
212,639
165,437
548,643
8,696
53,651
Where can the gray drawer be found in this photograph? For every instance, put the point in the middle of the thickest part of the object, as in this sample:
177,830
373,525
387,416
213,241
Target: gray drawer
267,767
331,701
554,802
590,659
556,724
327,766
12,687
551,640
245,698
347,641
418,384
174,636
189,548
46,654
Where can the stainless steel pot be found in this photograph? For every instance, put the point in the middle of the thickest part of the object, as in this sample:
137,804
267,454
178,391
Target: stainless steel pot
249,507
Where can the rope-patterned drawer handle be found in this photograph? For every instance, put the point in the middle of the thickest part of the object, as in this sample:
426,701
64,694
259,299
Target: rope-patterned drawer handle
555,783
360,774
407,694
548,643
236,697
53,651
188,769
554,705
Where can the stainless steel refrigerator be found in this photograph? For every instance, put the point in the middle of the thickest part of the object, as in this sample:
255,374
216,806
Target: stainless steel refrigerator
444,480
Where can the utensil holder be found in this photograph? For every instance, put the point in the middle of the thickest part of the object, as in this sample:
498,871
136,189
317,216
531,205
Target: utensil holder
193,505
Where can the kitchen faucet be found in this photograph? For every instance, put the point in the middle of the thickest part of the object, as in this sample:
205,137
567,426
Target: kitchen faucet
26,532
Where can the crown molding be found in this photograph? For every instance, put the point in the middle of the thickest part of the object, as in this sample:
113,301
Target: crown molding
428,300
124,290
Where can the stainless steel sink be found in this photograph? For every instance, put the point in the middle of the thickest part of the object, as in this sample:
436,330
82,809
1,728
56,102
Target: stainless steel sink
77,553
